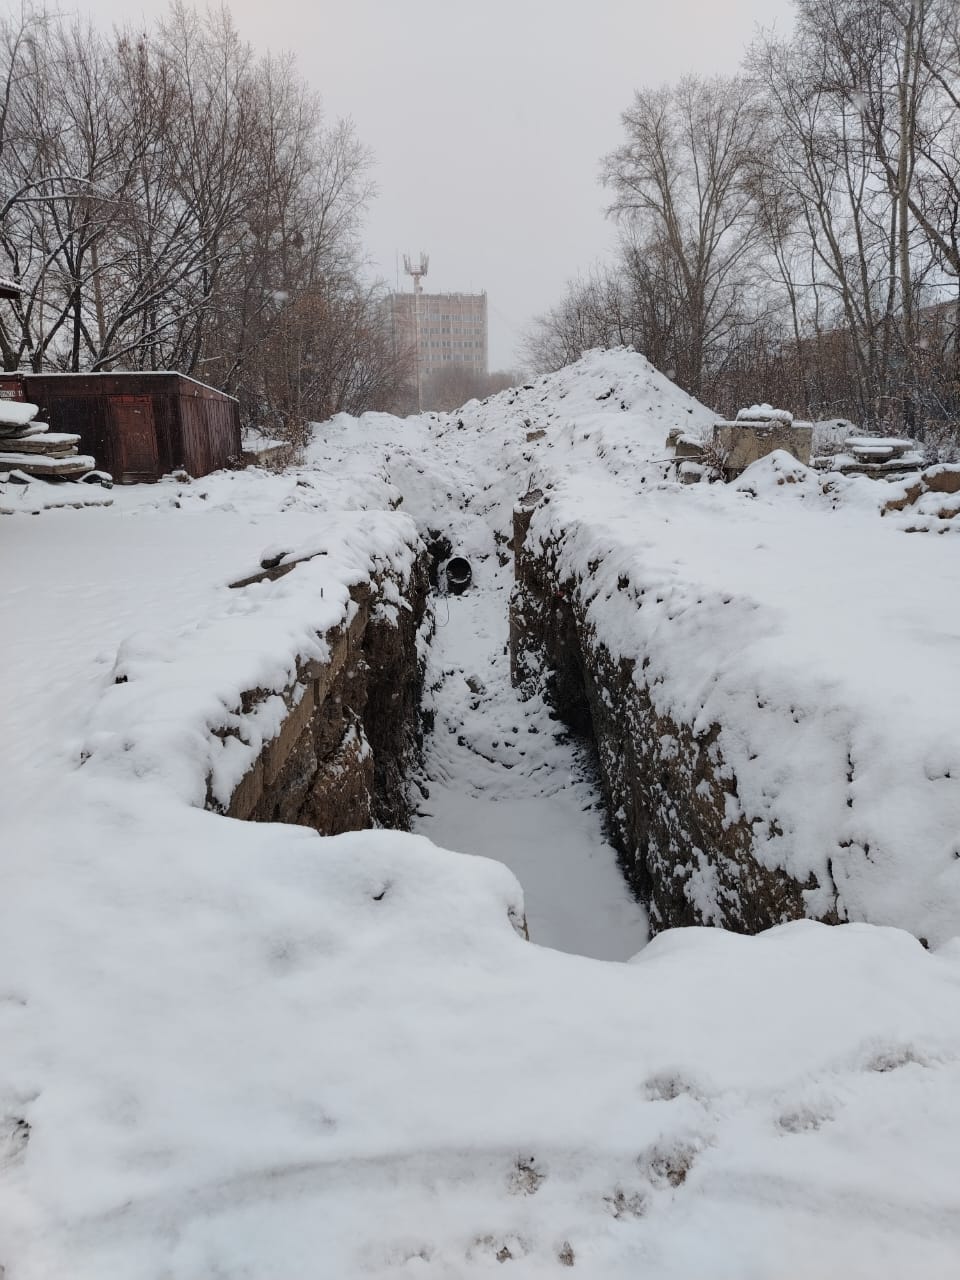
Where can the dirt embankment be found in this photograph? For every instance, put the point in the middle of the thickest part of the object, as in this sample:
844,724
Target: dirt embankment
666,787
350,733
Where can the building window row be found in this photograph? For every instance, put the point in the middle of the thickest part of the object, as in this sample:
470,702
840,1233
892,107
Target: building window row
465,344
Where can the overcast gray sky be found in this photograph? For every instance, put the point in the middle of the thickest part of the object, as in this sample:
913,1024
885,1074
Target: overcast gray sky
488,119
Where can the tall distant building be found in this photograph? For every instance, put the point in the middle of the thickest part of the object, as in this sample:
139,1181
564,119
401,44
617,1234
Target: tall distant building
452,329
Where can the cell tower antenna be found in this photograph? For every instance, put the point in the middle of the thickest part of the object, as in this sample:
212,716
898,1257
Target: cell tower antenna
418,270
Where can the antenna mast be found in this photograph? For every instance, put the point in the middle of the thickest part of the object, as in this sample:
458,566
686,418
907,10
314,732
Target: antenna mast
417,270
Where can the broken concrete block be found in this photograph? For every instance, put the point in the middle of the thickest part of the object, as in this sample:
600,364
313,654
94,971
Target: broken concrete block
740,443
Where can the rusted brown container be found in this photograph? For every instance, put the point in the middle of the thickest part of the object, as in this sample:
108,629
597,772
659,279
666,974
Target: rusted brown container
11,386
139,426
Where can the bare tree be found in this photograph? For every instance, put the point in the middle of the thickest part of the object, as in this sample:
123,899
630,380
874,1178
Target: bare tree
842,177
170,200
451,387
679,182
580,321
794,234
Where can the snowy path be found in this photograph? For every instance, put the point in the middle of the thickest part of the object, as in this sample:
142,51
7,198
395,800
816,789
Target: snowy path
504,783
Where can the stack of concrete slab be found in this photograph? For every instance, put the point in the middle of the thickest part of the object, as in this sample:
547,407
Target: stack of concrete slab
30,446
882,454
882,457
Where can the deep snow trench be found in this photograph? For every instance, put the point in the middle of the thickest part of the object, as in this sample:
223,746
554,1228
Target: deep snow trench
506,781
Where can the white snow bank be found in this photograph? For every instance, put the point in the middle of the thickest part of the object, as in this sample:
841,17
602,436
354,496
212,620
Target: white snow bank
175,707
785,589
778,475
813,642
240,1049
141,593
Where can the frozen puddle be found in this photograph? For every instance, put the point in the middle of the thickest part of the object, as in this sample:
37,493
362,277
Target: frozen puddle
502,785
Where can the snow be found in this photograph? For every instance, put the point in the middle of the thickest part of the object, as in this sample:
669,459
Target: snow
12,460
812,643
183,645
242,1050
260,440
862,443
830,433
145,373
49,437
503,781
765,413
27,495
17,413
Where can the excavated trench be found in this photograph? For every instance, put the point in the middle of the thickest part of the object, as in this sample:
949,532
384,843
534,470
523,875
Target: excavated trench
560,767
665,785
393,732
503,777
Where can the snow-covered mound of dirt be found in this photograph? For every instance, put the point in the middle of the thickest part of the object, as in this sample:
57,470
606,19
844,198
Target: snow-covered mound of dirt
462,472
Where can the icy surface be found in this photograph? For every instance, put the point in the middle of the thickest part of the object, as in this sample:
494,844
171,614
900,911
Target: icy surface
240,1050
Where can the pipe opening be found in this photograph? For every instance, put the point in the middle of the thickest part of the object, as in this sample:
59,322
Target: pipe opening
459,575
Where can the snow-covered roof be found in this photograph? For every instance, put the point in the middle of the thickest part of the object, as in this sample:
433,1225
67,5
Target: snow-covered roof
136,373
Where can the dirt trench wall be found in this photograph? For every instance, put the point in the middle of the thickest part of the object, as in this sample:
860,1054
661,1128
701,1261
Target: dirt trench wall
665,786
350,734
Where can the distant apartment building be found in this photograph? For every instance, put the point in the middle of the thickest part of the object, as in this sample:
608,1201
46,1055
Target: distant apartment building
452,329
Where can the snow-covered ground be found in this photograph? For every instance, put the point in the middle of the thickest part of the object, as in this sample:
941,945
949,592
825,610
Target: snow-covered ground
503,781
124,645
826,646
241,1050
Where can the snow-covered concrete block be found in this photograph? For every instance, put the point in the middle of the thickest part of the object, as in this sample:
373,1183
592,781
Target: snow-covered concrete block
740,443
